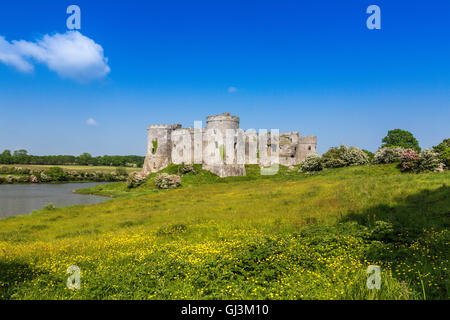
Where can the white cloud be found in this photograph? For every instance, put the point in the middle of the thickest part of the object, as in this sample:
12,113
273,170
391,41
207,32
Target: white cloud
232,89
71,55
91,122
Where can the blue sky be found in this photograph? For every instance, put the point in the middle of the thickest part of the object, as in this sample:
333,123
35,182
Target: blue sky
296,65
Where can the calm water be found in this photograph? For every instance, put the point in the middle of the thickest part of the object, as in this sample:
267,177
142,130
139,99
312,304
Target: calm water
18,199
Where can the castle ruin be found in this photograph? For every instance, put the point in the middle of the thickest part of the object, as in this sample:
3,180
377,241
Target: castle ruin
222,147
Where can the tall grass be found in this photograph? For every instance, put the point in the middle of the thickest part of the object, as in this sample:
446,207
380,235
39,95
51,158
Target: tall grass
287,236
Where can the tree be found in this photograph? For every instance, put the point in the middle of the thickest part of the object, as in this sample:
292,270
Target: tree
21,152
85,158
5,157
400,138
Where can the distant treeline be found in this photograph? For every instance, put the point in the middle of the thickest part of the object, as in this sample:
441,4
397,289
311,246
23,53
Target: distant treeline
22,157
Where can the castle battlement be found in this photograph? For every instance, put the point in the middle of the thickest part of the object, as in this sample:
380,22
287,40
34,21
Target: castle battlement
217,151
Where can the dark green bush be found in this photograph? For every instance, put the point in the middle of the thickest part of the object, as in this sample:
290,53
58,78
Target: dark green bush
333,157
56,174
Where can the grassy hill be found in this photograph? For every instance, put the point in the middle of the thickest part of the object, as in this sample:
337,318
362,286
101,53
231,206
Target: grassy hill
287,236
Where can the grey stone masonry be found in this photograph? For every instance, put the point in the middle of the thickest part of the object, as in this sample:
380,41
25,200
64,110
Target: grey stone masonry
222,147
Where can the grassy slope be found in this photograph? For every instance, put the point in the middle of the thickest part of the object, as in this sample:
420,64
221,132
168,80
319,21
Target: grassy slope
287,236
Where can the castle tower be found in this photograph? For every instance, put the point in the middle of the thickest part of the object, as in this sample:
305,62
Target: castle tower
307,145
219,156
223,148
159,147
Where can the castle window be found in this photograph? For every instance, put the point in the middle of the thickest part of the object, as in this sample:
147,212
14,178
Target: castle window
309,148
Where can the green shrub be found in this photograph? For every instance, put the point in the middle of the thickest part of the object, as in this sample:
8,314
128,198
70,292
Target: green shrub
186,168
120,171
333,157
354,156
382,231
311,163
443,150
135,179
55,174
369,154
428,161
171,229
167,181
340,157
388,155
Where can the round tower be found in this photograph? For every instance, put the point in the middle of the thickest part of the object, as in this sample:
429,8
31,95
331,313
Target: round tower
219,155
222,121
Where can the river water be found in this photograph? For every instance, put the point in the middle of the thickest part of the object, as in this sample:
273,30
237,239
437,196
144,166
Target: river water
17,199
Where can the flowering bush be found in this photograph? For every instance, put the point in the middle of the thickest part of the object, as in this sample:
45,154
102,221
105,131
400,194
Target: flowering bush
443,150
333,157
135,179
186,168
167,181
388,155
409,160
44,178
354,156
312,162
428,161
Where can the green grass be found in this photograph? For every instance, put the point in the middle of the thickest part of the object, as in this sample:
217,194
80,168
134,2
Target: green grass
287,236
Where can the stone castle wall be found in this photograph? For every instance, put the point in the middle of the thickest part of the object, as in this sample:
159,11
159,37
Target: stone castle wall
224,157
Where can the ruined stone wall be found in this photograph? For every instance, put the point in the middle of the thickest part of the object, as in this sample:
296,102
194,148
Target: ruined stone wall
220,155
224,157
159,147
307,145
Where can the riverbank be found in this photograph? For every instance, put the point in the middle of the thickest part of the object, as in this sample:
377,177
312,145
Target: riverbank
14,174
23,199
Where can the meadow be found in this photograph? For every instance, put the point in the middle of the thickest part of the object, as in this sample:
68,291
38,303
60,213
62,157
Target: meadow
287,236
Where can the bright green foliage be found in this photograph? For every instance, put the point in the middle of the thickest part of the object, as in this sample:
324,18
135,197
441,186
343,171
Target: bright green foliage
222,152
56,174
443,150
369,154
400,138
333,157
155,146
